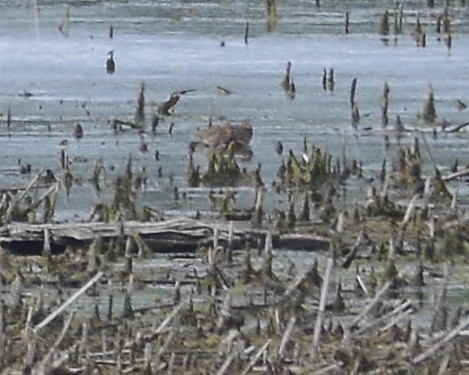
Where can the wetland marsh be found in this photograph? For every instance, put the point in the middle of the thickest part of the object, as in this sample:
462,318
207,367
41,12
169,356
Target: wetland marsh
378,180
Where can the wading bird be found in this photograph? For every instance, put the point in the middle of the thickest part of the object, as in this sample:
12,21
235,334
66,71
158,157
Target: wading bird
110,64
168,104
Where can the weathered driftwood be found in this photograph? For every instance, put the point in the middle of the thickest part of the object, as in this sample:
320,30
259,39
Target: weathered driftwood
179,234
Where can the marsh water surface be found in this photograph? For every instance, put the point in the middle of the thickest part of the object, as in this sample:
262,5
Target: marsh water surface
52,80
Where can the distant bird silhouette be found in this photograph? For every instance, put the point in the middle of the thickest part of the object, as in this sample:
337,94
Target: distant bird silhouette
64,26
292,92
324,79
48,178
454,167
460,104
78,131
286,82
110,64
225,133
399,127
173,99
330,80
223,90
279,148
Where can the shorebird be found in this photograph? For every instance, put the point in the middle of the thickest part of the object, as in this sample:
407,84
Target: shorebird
279,148
224,91
78,131
286,82
173,99
110,64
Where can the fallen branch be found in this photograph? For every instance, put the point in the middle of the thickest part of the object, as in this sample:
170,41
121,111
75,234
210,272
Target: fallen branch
456,128
67,303
454,176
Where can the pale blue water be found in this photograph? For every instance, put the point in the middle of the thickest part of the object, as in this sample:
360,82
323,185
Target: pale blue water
175,45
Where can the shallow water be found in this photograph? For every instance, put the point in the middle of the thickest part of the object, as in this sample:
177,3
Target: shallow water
175,45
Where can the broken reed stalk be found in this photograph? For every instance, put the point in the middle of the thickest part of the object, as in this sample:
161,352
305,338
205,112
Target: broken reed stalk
383,318
257,215
246,34
353,252
139,118
46,250
2,327
165,322
331,369
225,312
429,151
362,285
322,308
169,340
29,338
67,303
215,239
256,357
295,284
22,195
9,118
410,210
446,338
229,249
227,362
286,337
46,366
353,89
53,189
401,315
372,304
268,243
